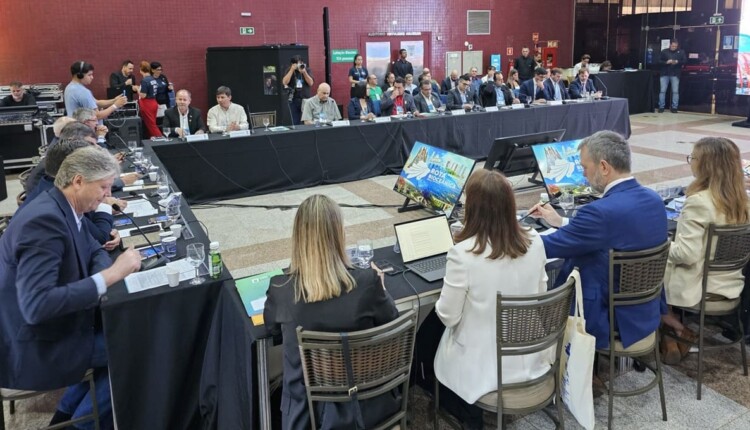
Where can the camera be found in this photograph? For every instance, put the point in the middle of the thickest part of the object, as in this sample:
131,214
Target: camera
301,66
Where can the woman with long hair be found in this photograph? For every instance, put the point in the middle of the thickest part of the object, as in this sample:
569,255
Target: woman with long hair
493,254
716,195
147,102
390,79
512,82
357,73
322,291
360,106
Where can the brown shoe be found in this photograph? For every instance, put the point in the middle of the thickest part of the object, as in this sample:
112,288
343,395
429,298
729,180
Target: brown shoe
670,351
689,335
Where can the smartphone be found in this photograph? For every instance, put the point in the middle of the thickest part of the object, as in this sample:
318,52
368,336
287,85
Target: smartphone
389,268
122,222
158,219
148,251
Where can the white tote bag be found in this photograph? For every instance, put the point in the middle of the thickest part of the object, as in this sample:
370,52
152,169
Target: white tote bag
577,363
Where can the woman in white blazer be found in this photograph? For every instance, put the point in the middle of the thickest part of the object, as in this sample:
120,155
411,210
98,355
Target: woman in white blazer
477,269
717,195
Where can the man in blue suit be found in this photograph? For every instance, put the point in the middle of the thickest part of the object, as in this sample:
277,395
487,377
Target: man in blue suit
628,217
532,91
583,85
52,274
554,88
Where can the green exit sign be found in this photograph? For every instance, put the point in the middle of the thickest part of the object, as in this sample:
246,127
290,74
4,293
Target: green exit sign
716,20
343,55
247,31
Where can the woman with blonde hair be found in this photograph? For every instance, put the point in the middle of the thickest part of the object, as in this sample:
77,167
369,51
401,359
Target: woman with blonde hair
717,195
493,254
322,291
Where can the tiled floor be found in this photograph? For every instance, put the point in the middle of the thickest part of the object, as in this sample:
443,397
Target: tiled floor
255,240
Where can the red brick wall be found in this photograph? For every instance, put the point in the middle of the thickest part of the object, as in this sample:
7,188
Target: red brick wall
39,40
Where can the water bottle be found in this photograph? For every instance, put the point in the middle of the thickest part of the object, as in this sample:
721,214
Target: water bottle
173,206
322,117
214,260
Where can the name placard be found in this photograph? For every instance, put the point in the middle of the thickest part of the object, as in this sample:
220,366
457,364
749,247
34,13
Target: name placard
458,112
196,137
342,123
555,102
491,109
517,106
380,119
239,133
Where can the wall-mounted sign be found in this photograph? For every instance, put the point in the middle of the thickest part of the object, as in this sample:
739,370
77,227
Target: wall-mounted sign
247,31
509,52
552,43
535,37
343,55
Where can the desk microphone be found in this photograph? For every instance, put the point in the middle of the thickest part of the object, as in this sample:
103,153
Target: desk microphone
158,260
250,118
291,117
149,198
606,90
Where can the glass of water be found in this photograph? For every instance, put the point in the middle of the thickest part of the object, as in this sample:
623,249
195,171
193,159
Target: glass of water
266,122
167,131
567,203
132,144
364,253
162,185
195,255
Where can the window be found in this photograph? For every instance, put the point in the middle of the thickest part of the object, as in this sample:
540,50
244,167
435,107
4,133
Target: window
635,7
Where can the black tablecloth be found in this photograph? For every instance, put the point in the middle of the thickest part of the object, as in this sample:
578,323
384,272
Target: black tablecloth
155,345
637,86
267,162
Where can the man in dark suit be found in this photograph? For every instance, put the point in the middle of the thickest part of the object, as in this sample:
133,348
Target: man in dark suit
401,67
425,100
450,82
397,101
628,217
554,88
496,93
583,85
462,97
183,118
532,91
52,275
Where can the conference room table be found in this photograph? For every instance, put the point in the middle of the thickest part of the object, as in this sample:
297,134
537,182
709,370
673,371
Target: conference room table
156,340
637,86
235,389
274,161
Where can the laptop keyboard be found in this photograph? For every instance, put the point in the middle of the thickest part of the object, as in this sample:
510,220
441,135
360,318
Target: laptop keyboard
429,265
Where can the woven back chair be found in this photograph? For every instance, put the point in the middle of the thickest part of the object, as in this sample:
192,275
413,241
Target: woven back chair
256,119
727,250
525,325
380,361
635,277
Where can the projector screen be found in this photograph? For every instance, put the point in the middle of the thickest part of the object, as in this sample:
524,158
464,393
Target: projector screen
743,55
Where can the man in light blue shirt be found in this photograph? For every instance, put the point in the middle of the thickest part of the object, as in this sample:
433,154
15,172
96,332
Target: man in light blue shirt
77,95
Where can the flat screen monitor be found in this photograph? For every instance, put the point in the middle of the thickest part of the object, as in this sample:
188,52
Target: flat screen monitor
512,155
560,167
434,177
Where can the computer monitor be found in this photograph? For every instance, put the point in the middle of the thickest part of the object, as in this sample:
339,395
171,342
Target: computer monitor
434,178
512,155
560,167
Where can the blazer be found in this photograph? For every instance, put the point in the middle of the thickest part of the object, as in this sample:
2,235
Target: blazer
466,358
446,85
529,92
454,98
684,274
576,88
549,90
386,103
422,105
367,305
172,119
629,217
354,110
489,96
47,296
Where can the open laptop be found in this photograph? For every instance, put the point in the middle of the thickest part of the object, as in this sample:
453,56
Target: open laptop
424,244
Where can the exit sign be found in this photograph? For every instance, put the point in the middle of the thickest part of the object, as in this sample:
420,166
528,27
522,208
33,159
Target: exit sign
716,20
247,31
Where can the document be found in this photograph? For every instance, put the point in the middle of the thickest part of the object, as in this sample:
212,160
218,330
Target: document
141,281
140,208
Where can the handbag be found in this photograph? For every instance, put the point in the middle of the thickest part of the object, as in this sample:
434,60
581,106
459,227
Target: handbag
577,363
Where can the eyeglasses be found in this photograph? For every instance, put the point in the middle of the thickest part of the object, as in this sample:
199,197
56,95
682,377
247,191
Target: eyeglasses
690,159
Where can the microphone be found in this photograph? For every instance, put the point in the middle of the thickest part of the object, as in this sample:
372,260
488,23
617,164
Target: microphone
289,106
249,117
158,260
606,90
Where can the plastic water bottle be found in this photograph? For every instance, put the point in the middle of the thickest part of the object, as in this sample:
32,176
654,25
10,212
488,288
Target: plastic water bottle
322,117
214,260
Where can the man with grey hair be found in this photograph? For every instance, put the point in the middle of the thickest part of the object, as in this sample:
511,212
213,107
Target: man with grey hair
52,276
87,117
627,217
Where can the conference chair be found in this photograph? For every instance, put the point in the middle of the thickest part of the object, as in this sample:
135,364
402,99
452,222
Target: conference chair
12,396
727,249
641,277
347,367
525,324
256,119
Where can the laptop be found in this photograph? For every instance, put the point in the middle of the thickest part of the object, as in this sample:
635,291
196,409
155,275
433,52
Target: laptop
424,245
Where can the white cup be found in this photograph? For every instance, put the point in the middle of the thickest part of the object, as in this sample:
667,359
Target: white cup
153,176
176,230
173,276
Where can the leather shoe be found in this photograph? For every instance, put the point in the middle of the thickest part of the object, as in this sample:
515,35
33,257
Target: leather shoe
690,335
661,110
673,110
670,351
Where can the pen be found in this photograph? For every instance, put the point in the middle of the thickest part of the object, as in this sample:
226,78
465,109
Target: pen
554,196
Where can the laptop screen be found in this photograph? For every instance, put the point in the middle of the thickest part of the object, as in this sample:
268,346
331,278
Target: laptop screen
424,238
560,166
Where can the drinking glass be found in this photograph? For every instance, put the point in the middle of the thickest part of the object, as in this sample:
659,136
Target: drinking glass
663,192
162,185
132,144
567,202
441,110
167,131
266,122
195,256
364,253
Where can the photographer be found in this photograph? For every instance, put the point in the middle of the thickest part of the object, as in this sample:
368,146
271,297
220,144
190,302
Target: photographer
297,82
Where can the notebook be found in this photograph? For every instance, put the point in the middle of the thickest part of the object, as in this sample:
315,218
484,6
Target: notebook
424,245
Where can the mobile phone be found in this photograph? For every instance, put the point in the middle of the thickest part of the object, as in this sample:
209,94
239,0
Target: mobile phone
158,219
148,251
388,267
122,222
